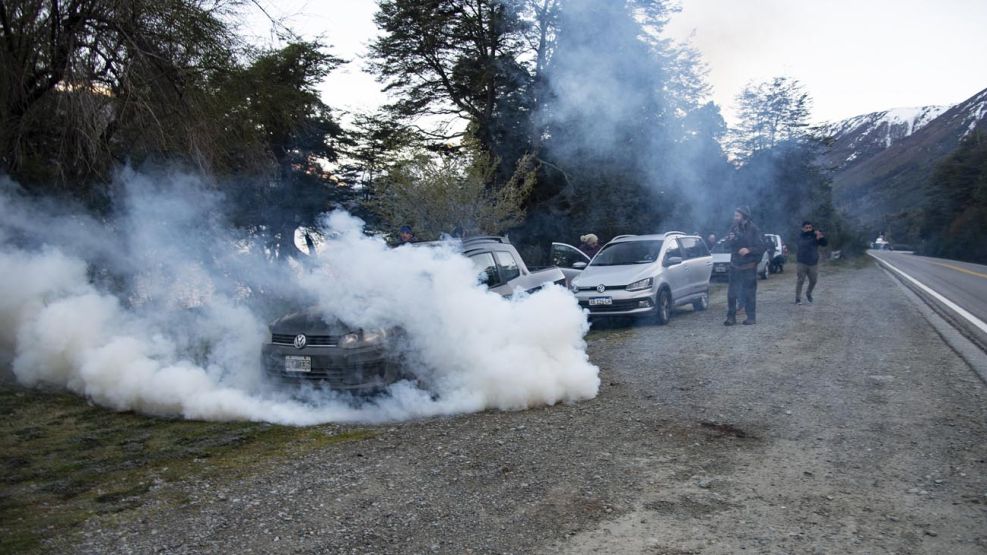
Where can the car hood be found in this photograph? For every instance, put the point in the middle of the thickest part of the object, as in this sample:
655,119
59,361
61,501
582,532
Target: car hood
613,275
310,322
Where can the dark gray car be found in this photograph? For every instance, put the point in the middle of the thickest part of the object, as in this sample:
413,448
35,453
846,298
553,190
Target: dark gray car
305,347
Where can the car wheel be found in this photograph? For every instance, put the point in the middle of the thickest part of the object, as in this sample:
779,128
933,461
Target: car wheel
702,303
663,307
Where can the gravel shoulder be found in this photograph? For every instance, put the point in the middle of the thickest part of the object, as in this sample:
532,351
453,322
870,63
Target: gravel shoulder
844,426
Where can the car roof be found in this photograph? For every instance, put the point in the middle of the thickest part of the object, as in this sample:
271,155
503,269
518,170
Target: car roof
473,243
486,243
649,237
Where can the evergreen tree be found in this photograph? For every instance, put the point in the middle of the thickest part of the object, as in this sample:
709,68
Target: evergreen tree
455,58
778,173
87,83
620,151
771,113
954,219
274,103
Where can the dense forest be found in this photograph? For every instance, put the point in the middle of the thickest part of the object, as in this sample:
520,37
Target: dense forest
544,119
953,220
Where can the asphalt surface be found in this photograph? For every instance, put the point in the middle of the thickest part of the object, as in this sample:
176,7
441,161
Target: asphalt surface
963,283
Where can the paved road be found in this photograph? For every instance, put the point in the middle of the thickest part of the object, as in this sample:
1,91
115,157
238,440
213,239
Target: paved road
962,283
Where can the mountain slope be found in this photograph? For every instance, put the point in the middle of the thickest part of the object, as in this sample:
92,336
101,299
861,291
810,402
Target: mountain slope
861,137
879,182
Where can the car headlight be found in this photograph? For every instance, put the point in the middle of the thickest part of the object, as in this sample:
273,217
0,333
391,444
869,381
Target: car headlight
372,337
363,338
573,287
641,284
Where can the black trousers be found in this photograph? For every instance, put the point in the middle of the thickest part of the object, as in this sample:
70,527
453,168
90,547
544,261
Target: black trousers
742,292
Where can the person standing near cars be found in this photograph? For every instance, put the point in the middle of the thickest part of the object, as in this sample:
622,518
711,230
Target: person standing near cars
405,236
746,245
808,244
589,244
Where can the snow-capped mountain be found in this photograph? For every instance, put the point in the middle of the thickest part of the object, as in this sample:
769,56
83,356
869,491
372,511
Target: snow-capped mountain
860,137
882,162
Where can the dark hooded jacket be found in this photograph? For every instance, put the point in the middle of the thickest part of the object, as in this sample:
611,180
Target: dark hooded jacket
745,235
808,248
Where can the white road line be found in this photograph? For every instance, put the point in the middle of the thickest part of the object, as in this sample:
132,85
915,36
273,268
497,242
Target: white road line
977,322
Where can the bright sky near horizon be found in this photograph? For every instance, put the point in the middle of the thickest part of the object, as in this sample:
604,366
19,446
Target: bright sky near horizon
853,56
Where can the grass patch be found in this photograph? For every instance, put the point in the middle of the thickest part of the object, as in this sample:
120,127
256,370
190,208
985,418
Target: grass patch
65,461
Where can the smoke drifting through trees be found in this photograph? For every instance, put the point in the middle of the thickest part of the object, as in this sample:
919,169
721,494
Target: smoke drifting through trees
772,113
611,119
614,118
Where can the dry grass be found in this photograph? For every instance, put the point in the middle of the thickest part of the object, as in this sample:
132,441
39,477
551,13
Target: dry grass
65,462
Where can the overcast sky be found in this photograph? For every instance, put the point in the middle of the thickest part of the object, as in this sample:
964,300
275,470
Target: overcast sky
854,56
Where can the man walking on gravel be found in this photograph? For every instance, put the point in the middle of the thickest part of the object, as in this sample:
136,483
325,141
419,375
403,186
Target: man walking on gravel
746,245
808,244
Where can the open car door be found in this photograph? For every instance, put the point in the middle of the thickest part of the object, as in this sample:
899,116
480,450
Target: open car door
569,259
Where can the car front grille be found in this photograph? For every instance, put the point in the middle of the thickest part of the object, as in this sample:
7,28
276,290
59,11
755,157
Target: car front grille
334,376
310,340
617,306
607,288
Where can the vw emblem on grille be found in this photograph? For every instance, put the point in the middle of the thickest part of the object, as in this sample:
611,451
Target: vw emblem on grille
601,288
300,340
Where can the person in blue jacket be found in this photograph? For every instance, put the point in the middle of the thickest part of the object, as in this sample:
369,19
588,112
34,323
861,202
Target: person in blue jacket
808,244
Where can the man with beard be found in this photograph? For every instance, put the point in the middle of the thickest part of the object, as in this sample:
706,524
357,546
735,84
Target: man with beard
746,246
807,257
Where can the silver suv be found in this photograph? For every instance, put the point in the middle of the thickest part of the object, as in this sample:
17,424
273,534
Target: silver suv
646,275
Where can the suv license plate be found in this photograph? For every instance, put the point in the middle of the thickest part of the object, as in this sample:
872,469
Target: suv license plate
297,364
597,301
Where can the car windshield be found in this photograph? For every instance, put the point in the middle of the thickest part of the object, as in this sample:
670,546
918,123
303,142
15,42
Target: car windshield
629,252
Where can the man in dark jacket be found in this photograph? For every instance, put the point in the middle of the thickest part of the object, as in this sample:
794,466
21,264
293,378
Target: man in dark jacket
746,245
808,244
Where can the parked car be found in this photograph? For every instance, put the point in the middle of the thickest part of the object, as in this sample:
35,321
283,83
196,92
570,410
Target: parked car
764,264
502,269
306,346
778,253
721,262
646,275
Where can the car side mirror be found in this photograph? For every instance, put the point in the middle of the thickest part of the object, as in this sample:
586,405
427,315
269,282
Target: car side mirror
579,265
672,260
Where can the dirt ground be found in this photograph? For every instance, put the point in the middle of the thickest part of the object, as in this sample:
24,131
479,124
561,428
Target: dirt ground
844,426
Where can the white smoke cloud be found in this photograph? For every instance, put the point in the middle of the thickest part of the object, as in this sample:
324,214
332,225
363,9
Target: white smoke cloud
156,310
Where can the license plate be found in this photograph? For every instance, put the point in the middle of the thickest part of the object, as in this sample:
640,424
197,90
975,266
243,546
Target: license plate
597,301
297,364
719,269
